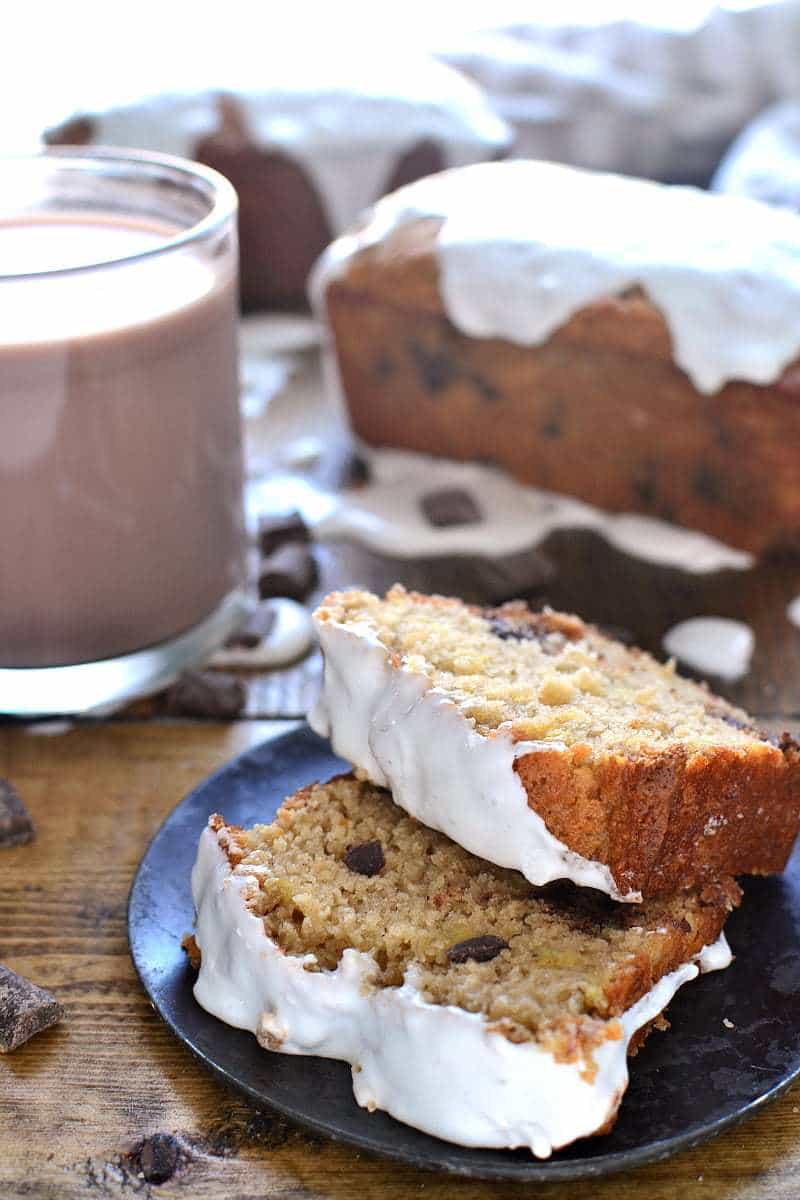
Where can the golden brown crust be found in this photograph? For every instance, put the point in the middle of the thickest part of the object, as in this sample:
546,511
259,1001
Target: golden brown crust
670,821
725,463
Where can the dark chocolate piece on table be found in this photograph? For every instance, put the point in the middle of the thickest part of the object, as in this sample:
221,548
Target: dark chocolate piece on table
365,859
450,506
291,571
25,1010
255,630
477,949
16,824
210,694
280,529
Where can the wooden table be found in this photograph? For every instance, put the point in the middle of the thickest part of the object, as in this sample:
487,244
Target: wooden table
77,1102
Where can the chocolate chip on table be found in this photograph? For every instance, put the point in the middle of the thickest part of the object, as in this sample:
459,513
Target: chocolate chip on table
159,1156
205,694
365,859
477,949
16,825
280,529
255,630
25,1009
450,506
291,571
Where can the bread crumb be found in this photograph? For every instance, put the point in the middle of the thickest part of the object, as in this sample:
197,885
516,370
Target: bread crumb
556,690
728,1024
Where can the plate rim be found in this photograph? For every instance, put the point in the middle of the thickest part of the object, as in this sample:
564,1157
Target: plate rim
516,1170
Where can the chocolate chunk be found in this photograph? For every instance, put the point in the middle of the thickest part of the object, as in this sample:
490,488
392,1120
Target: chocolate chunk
729,718
291,571
788,744
551,630
521,631
435,367
206,694
645,484
25,1010
16,825
255,630
707,485
365,859
277,530
477,949
356,472
159,1156
450,506
486,390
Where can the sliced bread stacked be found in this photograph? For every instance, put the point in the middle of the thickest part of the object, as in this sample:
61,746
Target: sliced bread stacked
438,919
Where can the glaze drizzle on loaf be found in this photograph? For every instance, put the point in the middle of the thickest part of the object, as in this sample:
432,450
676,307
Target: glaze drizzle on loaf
538,743
523,246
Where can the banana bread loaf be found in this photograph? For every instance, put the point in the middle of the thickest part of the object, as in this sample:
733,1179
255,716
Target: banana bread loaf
539,743
625,342
468,1004
306,149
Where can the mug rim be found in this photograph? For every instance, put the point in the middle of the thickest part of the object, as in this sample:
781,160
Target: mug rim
222,198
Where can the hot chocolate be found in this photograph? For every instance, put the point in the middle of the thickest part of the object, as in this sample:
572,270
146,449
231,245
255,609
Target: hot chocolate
120,468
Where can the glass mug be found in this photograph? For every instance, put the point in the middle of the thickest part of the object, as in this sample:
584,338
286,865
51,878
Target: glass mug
121,529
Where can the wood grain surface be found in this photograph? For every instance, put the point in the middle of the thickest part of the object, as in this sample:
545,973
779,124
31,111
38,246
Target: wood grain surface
77,1102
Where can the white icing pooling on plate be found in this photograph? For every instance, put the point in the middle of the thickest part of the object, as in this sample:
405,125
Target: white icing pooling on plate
712,645
345,121
290,637
525,245
404,735
437,1068
385,515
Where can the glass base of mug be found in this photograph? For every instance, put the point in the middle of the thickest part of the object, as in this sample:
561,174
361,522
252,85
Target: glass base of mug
97,688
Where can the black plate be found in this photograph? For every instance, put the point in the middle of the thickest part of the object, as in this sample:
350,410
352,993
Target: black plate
686,1086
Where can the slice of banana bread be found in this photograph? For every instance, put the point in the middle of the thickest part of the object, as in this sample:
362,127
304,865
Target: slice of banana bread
540,744
469,1004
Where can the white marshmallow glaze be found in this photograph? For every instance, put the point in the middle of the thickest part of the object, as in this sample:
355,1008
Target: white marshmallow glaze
386,515
437,1068
291,636
345,122
712,645
399,732
525,245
